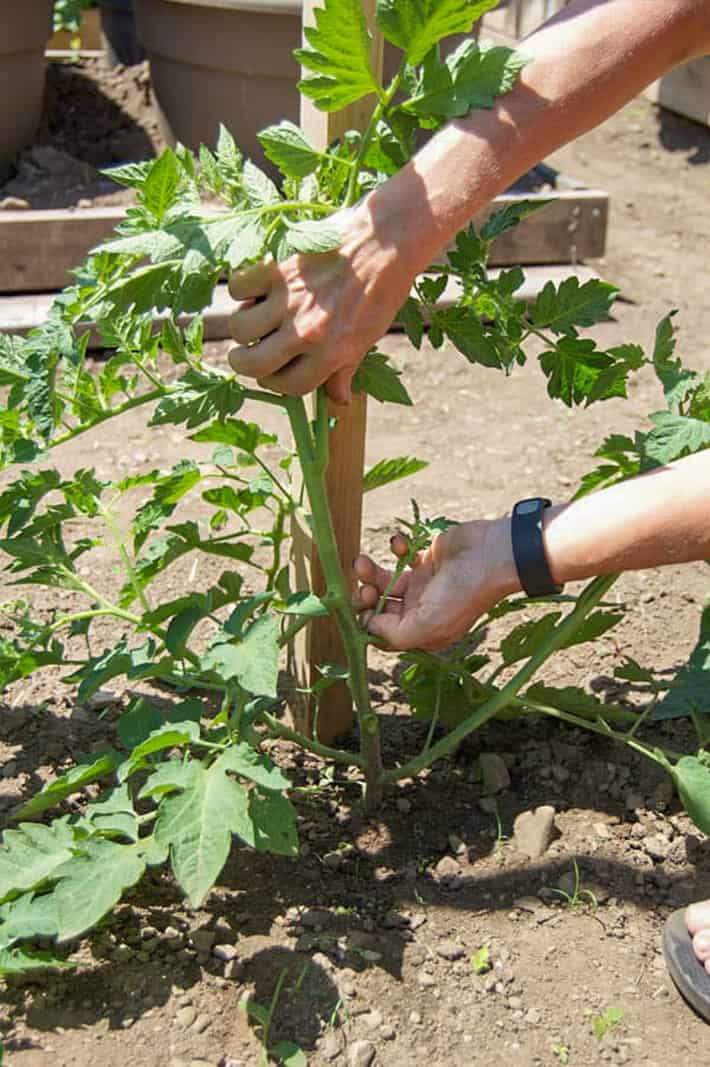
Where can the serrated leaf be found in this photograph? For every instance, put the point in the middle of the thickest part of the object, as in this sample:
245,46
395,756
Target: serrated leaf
28,916
258,187
574,369
336,56
378,378
273,823
253,661
562,308
313,237
246,436
594,626
676,381
248,763
159,188
197,825
417,25
168,777
90,883
198,397
307,604
410,317
689,691
90,769
391,470
32,853
465,331
286,146
526,639
569,698
674,436
24,961
289,1054
170,735
472,76
510,216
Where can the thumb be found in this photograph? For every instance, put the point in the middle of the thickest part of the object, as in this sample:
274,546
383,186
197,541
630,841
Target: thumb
339,387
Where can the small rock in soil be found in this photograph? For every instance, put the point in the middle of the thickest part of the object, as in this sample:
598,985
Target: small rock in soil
403,805
450,950
203,940
224,952
447,869
568,883
234,970
361,1054
201,1023
494,772
657,846
332,1045
186,1016
534,830
373,1019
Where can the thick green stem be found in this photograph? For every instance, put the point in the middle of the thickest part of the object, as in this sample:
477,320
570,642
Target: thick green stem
313,458
562,633
338,755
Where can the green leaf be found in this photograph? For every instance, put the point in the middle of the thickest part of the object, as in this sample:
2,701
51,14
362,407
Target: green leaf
170,735
574,369
594,626
90,769
306,604
169,776
159,189
28,916
465,331
570,698
24,961
197,397
510,216
313,236
410,317
674,436
391,470
481,960
441,688
273,820
631,671
197,825
113,813
689,691
337,56
692,780
416,26
286,146
247,762
378,378
471,77
246,436
676,381
568,305
32,853
90,883
253,661
289,1054
258,187
526,639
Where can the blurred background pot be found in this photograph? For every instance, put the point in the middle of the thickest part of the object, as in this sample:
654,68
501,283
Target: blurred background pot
118,30
26,28
226,61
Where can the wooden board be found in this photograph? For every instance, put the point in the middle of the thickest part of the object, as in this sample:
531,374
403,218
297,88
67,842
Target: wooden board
41,248
518,18
685,90
20,313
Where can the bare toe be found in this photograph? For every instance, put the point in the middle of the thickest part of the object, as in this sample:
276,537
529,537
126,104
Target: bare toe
701,945
697,917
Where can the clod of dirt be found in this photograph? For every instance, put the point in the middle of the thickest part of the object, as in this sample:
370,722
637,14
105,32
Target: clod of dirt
533,831
494,772
361,1054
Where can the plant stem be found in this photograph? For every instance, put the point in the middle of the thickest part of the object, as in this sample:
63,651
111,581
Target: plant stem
123,553
353,190
588,600
338,755
313,457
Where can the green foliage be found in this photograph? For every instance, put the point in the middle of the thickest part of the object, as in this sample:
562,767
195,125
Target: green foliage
688,692
606,1021
481,960
185,782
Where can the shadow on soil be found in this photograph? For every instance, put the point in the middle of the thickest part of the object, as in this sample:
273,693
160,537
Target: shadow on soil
678,134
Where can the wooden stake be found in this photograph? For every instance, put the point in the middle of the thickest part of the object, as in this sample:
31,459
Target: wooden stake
320,641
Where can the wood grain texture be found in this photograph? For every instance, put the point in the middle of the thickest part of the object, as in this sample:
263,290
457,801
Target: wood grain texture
321,643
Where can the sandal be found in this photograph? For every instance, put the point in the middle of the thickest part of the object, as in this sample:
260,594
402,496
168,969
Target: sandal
690,977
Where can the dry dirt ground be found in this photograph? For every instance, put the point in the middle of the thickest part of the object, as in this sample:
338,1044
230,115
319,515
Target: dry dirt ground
377,921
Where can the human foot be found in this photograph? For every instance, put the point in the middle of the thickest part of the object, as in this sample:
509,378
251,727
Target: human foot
697,919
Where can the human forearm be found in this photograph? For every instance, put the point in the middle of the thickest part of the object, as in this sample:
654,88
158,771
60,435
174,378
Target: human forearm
658,518
584,64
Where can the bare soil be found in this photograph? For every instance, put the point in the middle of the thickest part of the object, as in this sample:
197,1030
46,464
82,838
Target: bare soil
377,921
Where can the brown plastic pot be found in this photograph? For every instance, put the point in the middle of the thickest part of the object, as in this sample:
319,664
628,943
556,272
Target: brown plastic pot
226,61
223,61
26,28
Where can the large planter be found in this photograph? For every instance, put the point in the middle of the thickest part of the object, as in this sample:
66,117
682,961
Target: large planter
223,61
26,28
226,61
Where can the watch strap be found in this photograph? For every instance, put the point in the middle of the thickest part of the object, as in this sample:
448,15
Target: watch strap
529,549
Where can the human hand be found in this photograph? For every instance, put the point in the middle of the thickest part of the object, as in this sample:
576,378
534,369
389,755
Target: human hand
436,600
312,318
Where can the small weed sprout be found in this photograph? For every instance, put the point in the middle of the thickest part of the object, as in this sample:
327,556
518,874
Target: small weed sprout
606,1021
562,1053
481,960
578,898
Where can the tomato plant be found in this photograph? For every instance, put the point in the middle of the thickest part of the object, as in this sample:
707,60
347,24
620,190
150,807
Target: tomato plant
180,787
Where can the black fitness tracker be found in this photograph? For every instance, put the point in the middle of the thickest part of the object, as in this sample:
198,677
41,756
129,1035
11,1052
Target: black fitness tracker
528,548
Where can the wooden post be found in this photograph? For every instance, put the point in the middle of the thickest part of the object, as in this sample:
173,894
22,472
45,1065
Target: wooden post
320,641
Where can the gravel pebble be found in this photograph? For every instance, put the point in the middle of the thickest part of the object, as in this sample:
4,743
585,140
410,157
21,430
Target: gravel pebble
450,950
186,1016
534,830
361,1054
494,772
224,952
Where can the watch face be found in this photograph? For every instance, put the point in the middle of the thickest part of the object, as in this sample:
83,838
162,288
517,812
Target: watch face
527,507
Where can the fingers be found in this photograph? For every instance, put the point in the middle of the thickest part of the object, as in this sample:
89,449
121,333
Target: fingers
298,376
252,323
255,280
268,356
369,573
